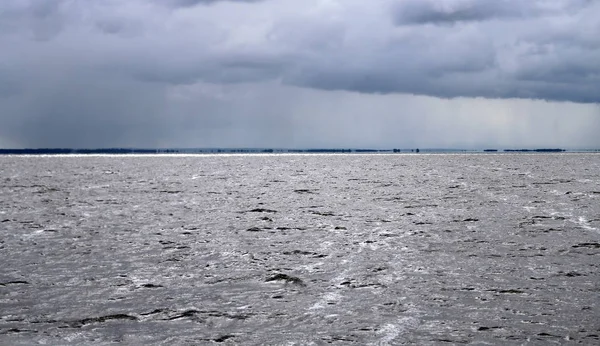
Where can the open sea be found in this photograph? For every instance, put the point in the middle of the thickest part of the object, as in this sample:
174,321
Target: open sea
300,249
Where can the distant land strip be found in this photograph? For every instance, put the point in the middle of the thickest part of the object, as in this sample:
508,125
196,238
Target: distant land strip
58,151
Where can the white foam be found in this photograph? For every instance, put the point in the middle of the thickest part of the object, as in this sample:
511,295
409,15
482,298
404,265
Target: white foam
329,297
33,234
392,331
585,224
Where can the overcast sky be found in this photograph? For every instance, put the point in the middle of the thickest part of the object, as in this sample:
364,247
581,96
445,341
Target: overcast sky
291,73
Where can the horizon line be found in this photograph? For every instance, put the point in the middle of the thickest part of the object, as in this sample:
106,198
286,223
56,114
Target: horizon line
188,150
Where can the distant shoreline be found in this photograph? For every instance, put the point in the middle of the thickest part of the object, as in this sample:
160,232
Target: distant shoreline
63,151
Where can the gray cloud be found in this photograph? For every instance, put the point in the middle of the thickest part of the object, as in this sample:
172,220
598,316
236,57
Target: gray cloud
151,73
189,3
451,11
43,19
356,51
67,110
424,11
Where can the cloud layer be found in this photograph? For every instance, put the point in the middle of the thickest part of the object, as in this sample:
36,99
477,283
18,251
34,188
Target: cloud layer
83,65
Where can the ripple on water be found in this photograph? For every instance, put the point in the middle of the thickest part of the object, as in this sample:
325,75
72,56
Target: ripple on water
303,249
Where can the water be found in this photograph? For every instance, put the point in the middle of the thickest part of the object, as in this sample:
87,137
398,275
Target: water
300,249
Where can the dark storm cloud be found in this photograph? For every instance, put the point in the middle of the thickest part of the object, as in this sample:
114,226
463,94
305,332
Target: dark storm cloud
86,73
450,11
43,18
424,11
497,49
523,49
87,110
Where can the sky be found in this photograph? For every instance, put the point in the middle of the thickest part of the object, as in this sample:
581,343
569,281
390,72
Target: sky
300,74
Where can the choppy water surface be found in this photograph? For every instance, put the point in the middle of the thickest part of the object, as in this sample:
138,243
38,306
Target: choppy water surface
300,249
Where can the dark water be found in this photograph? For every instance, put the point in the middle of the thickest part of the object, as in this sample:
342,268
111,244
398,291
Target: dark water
300,249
